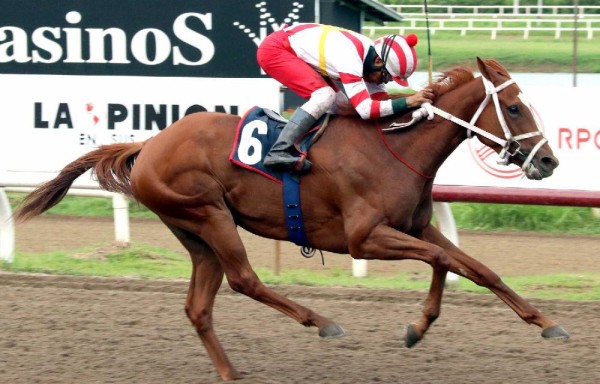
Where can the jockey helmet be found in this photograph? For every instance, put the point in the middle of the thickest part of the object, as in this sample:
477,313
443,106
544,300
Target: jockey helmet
398,55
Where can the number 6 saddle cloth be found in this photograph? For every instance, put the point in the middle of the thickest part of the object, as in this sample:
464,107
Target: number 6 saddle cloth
256,133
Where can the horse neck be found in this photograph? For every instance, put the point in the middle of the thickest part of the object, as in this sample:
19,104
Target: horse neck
440,137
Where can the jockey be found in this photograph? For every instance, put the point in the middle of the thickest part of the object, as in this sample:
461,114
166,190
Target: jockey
308,57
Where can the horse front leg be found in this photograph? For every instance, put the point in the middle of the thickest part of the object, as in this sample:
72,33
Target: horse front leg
464,265
431,309
386,243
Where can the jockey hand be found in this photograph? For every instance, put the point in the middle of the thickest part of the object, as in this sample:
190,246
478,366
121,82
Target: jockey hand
425,95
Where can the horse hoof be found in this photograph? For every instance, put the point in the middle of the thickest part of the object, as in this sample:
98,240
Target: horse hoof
411,337
556,333
332,331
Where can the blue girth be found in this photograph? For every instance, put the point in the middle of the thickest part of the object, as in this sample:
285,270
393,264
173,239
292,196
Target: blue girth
293,213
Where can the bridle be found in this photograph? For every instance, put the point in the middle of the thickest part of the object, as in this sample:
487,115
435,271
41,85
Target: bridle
511,145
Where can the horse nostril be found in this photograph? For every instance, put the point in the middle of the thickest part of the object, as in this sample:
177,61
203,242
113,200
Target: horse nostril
549,162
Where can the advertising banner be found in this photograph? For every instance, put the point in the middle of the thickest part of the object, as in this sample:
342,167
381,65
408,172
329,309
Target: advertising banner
174,38
78,74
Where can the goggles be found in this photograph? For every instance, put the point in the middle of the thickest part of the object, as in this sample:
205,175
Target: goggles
386,77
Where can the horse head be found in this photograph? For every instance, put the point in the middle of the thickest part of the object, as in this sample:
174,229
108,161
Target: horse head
507,115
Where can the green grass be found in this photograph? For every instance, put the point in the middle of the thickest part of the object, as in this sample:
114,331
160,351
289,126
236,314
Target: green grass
539,53
142,261
139,261
534,55
146,262
85,206
508,217
557,286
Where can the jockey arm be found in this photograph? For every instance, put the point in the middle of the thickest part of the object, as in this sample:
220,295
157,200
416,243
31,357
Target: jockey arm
413,99
400,102
370,105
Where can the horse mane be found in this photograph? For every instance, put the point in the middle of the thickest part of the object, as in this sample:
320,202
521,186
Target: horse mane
452,79
459,75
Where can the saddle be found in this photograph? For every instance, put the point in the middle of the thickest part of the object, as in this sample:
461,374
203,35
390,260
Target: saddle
256,133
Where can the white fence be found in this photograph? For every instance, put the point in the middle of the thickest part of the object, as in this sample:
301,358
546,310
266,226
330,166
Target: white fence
524,20
557,27
494,10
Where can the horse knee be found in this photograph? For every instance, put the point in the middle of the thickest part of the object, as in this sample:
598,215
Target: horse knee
246,284
201,318
439,259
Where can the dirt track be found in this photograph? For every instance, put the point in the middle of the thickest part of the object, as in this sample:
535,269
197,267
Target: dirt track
84,330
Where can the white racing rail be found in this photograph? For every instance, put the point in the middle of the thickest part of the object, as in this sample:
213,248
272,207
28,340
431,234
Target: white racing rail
81,187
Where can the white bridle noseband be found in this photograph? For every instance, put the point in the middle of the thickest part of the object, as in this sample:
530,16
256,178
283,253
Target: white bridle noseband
491,93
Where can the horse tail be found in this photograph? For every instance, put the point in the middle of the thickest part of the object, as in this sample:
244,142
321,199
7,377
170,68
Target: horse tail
111,164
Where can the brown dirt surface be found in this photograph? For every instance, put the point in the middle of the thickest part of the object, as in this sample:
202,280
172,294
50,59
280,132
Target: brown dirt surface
59,329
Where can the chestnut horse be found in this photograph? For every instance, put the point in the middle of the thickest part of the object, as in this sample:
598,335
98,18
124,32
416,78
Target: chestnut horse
368,195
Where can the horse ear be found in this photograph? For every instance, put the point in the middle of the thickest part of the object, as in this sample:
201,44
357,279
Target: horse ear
483,69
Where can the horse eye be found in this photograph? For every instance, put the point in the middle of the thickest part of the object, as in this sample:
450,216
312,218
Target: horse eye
513,109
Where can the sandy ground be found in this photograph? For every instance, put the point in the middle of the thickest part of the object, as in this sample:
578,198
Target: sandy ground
57,329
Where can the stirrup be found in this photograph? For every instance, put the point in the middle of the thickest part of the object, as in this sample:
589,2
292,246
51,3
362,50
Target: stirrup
285,161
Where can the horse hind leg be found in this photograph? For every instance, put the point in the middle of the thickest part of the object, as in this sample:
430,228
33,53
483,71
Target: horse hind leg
207,277
220,232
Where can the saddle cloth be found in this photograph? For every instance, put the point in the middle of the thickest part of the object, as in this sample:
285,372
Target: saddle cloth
256,133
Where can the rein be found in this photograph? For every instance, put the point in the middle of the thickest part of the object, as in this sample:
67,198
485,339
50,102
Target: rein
396,155
510,145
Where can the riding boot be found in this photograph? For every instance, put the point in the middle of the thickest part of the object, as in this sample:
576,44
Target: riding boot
280,157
